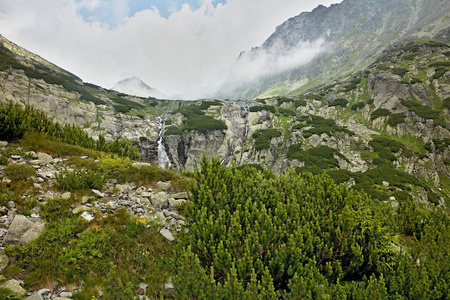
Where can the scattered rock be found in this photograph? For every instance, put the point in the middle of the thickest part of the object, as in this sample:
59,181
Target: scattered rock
87,216
385,183
11,204
34,296
160,200
168,287
81,208
44,292
163,186
167,234
66,196
23,230
44,158
98,193
4,261
182,195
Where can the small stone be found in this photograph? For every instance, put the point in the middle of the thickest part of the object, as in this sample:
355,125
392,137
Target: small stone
146,194
80,209
142,288
140,190
84,157
168,287
66,294
66,196
98,193
385,183
61,298
37,186
182,195
31,154
6,180
44,292
16,157
112,205
4,261
3,144
167,234
176,203
11,204
87,216
84,200
34,296
160,200
164,186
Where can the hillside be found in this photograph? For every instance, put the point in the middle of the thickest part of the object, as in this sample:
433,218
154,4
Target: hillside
352,35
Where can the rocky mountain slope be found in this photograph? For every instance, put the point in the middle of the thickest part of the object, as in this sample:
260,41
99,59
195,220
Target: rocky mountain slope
392,115
353,34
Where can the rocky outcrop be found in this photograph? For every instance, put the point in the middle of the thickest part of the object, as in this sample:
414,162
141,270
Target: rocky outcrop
23,230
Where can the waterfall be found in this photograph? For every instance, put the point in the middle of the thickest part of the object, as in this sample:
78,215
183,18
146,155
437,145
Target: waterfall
163,158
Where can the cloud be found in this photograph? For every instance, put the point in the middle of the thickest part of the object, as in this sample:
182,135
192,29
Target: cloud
188,54
252,66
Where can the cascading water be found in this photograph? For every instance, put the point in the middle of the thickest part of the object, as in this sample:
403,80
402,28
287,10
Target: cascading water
163,158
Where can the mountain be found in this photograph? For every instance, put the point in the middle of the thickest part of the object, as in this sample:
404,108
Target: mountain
136,87
325,44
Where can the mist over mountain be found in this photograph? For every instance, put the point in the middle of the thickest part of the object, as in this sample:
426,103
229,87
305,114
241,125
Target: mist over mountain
328,43
136,87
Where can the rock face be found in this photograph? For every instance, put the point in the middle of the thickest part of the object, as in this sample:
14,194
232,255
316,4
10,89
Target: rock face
23,230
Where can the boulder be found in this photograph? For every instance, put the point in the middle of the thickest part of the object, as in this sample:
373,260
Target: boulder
163,186
44,158
167,234
160,200
4,261
81,208
14,286
182,195
23,230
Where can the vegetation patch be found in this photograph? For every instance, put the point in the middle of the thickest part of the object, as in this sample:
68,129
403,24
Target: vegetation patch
423,111
189,111
358,105
351,85
386,147
18,172
321,125
380,112
322,157
267,108
207,104
399,71
204,124
263,136
173,130
395,119
339,102
286,112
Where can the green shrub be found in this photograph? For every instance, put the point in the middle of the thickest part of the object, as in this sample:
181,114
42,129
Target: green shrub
358,105
207,104
380,112
446,103
399,71
263,136
80,179
385,147
322,125
282,100
286,112
267,108
18,172
352,85
396,119
409,56
425,112
189,111
439,73
339,102
322,157
204,124
173,130
259,235
439,64
300,102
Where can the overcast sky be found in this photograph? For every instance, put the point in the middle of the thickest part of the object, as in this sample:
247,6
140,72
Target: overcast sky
181,47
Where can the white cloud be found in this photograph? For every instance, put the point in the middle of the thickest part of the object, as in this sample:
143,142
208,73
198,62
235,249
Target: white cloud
187,54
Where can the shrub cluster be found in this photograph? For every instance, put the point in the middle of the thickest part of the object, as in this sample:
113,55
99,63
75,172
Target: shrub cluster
380,112
321,125
267,108
423,111
263,136
396,119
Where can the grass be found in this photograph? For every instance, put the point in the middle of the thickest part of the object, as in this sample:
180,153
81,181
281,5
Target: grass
18,172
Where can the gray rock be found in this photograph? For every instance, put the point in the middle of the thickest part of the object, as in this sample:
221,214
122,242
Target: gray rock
32,154
23,230
385,183
44,292
66,294
3,144
160,200
141,190
87,216
142,288
112,205
168,287
11,204
98,193
61,298
4,261
164,186
44,158
167,234
66,196
14,286
183,195
176,203
84,200
81,208
146,194
34,296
